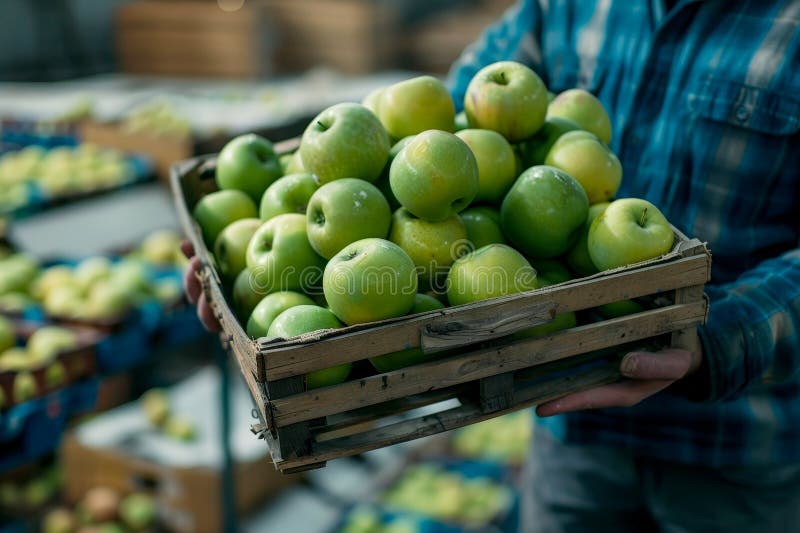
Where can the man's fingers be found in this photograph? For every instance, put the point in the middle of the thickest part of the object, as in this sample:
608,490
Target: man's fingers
622,394
670,363
187,249
191,284
207,317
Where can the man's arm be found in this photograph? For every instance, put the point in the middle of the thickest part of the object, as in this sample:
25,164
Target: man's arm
514,37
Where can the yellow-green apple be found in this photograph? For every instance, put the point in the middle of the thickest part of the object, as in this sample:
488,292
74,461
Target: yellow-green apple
620,308
132,276
489,272
106,299
433,246
161,247
544,212
583,108
628,231
461,121
60,520
155,406
371,279
230,248
271,306
345,211
50,278
180,429
280,257
91,270
533,151
578,257
301,319
47,342
64,301
293,163
412,106
507,97
55,375
412,356
483,226
245,295
289,194
7,337
17,272
24,387
550,272
372,100
14,359
16,302
382,183
248,163
345,141
138,511
581,155
497,163
434,176
216,210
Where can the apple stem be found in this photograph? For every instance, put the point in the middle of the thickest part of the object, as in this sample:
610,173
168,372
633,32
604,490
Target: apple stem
321,125
644,214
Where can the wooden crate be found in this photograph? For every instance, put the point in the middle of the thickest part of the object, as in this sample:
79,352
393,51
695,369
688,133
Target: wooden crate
193,38
484,372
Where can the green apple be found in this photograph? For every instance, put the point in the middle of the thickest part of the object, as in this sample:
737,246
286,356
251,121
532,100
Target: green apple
230,248
55,375
497,163
434,176
621,308
180,429
24,387
581,155
345,211
301,319
368,280
17,272
489,272
483,226
47,342
245,294
161,247
289,194
280,257
550,272
507,97
217,210
294,165
138,511
544,212
578,257
65,301
248,163
372,100
386,363
345,141
7,336
155,405
132,276
271,306
107,299
60,520
413,106
91,270
559,322
533,151
50,278
461,121
383,183
583,108
16,302
15,359
433,246
628,231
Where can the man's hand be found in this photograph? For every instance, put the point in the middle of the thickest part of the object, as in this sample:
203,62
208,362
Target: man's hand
644,374
194,290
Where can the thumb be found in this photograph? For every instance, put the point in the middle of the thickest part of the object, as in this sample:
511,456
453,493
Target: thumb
670,363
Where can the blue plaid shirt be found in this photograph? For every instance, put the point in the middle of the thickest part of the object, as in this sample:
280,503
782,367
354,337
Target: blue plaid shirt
704,100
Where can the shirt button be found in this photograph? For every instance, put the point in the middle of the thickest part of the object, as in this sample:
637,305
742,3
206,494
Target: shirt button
742,113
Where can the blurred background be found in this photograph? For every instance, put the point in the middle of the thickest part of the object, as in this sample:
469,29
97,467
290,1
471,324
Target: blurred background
116,408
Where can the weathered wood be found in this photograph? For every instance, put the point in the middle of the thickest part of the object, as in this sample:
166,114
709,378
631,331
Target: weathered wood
447,420
485,362
496,392
294,439
284,359
688,338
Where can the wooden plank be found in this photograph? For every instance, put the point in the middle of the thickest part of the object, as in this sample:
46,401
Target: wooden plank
304,354
496,392
485,362
293,440
688,338
449,419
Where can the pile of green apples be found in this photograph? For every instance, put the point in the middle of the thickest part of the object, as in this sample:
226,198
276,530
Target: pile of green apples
103,510
370,520
398,206
26,495
41,349
505,439
62,171
157,118
432,491
161,248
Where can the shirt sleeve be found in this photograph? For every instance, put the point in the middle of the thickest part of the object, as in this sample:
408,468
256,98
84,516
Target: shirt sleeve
514,37
753,329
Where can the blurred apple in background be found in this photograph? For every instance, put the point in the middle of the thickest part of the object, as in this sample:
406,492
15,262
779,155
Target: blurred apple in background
345,141
17,271
488,272
301,319
413,106
91,270
581,155
217,210
7,336
345,211
497,163
544,212
628,231
578,257
583,108
47,342
371,279
483,226
507,97
230,248
289,194
280,257
434,176
271,306
248,163
161,247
